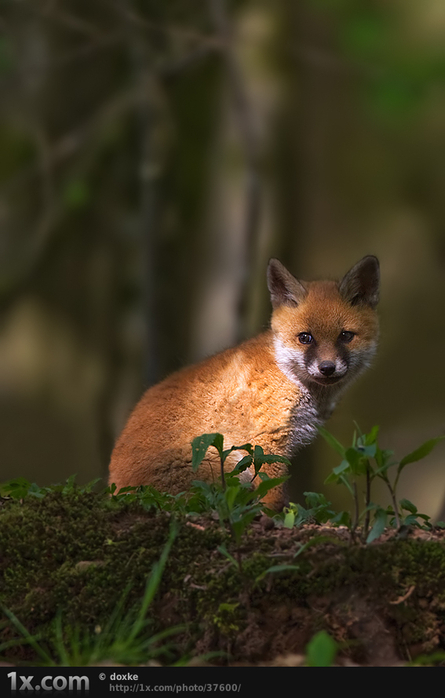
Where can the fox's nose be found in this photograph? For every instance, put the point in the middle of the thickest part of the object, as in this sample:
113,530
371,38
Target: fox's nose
327,368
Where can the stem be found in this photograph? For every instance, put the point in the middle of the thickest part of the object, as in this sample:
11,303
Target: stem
223,479
392,491
367,500
394,503
356,507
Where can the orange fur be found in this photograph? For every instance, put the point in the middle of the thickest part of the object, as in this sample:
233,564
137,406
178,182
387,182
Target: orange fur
259,392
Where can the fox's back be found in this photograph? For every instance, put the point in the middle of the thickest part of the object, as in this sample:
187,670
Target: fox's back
272,391
239,392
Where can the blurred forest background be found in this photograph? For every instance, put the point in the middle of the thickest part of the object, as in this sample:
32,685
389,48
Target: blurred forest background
154,155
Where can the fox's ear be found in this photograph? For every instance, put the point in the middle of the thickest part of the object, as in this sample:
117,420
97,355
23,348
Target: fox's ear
361,283
284,288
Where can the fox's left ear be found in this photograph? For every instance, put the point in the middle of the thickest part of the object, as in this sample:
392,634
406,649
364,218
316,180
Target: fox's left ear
361,283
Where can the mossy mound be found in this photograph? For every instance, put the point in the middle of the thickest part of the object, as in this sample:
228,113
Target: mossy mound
72,558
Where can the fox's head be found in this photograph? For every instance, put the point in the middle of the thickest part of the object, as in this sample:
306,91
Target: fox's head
325,332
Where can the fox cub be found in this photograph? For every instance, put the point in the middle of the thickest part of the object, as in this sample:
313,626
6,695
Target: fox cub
273,390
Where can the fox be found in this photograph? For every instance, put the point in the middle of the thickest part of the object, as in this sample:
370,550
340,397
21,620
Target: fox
273,390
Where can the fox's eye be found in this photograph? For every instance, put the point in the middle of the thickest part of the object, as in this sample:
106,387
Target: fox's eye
305,338
346,336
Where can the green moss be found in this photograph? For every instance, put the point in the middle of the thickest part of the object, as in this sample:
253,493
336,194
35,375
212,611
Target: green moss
79,554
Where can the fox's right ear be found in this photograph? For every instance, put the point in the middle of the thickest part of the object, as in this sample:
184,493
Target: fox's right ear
361,283
284,288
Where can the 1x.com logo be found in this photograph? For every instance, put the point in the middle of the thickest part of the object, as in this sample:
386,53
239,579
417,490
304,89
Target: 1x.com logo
49,683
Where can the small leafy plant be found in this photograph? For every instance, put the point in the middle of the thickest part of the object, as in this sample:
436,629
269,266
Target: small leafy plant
19,488
319,511
365,459
236,502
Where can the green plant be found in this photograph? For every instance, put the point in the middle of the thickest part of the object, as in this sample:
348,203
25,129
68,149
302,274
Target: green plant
321,650
319,510
149,498
125,639
20,488
236,502
429,659
365,459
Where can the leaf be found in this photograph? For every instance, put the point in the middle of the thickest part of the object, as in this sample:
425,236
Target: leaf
258,452
342,518
230,496
223,550
277,568
371,437
244,447
241,521
319,509
408,506
412,520
332,441
91,485
369,451
200,446
31,639
379,525
315,499
419,453
270,458
344,481
243,464
382,458
36,491
332,478
273,458
321,650
344,465
260,458
356,460
289,519
17,488
265,486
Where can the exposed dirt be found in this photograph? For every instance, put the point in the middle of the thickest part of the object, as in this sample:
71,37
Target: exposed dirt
373,600
384,604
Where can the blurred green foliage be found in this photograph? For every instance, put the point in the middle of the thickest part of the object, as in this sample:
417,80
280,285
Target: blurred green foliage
130,135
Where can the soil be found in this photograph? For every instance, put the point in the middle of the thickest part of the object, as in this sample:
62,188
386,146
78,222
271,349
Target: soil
78,556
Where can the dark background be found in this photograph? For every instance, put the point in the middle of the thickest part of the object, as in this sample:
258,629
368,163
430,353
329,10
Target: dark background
154,155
